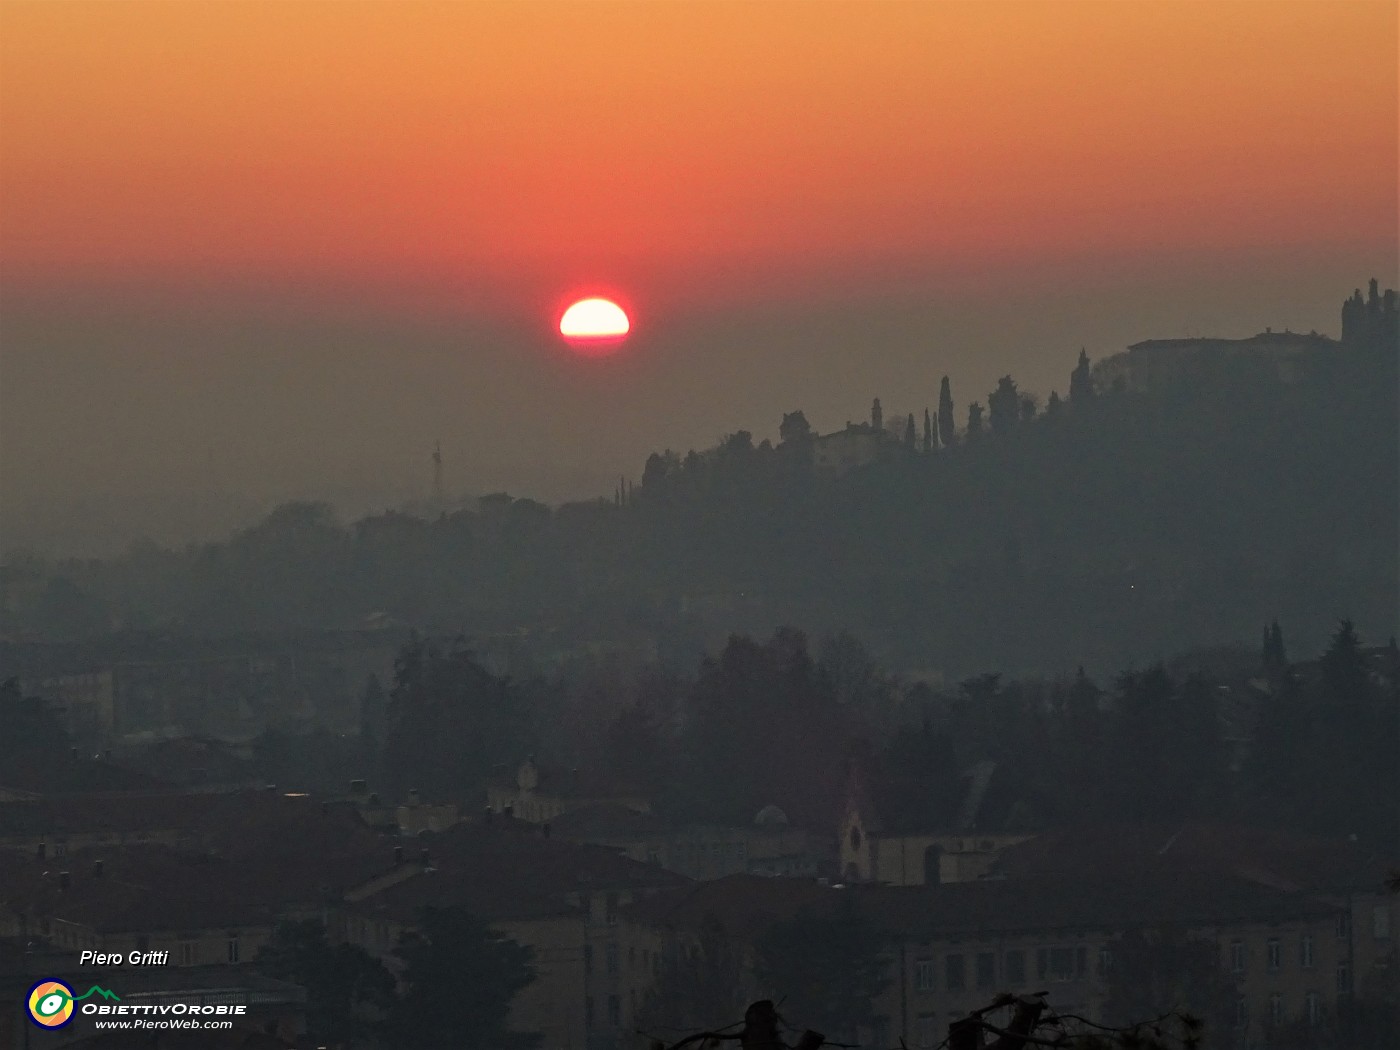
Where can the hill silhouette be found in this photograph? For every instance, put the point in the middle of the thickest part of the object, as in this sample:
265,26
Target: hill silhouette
1115,526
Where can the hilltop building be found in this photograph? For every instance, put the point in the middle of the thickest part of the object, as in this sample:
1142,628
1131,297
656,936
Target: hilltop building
858,445
1158,364
1370,323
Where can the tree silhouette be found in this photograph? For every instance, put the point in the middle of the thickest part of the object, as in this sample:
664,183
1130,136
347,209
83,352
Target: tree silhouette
459,980
449,720
1003,406
1081,386
794,428
1343,670
1161,970
1274,657
974,421
348,991
947,429
831,968
699,989
928,432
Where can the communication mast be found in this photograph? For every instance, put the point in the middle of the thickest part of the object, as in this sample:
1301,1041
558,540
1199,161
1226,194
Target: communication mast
439,502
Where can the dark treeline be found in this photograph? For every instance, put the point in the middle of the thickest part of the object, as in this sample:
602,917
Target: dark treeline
1113,524
1249,737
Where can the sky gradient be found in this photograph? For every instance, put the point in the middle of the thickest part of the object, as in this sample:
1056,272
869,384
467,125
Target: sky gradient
278,249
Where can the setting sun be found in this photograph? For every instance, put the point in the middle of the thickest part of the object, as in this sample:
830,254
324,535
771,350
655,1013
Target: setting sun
594,319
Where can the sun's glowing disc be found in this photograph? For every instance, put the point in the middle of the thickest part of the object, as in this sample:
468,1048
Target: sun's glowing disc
594,319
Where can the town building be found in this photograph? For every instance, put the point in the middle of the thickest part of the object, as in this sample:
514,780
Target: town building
539,794
769,845
1270,955
887,837
563,900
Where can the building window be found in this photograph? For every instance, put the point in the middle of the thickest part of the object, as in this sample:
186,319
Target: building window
986,969
925,1031
1343,978
1061,964
956,979
1241,1012
1312,1008
1015,968
233,949
1237,956
631,958
588,958
1380,922
1275,1009
923,975
1275,954
614,1011
1305,952
1105,961
612,958
610,905
189,953
1343,926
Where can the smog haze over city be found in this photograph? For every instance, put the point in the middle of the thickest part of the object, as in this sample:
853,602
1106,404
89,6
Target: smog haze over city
822,523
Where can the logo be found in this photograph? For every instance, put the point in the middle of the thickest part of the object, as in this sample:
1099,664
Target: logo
51,1002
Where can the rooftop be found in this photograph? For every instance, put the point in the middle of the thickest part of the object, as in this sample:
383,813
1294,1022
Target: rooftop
606,820
499,872
1282,859
1267,340
747,902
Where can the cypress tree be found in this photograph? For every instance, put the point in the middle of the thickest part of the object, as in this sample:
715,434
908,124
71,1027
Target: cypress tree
1081,387
946,431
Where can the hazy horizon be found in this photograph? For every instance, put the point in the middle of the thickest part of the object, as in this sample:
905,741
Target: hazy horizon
216,428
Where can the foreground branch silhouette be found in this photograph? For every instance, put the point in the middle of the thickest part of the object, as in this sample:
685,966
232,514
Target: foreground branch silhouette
1032,1024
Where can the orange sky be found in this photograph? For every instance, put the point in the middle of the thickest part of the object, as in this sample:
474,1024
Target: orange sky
253,251
510,150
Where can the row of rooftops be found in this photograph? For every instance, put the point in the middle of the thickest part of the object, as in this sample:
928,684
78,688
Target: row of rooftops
991,907
248,857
